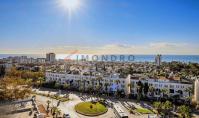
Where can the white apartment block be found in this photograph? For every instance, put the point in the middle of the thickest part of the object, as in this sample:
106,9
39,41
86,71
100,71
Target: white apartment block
41,60
115,83
172,87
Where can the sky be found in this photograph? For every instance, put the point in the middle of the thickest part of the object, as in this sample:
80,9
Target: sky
100,27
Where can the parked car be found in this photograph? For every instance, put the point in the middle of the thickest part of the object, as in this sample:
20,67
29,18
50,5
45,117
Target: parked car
66,116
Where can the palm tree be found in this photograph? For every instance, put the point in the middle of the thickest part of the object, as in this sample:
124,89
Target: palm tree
66,86
117,82
164,92
139,90
98,88
57,112
99,79
131,86
78,84
189,90
151,90
58,103
53,110
158,107
40,79
48,105
84,85
90,89
71,83
106,87
93,83
146,89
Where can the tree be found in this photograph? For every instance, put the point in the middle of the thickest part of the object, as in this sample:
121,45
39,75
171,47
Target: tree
40,79
117,92
151,90
167,106
164,92
53,110
189,90
13,89
184,111
57,112
157,106
93,82
48,104
65,86
98,88
57,86
58,103
146,89
2,71
131,86
139,90
106,87
78,84
84,85
99,79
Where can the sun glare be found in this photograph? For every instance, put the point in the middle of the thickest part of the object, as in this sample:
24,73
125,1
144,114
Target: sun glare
70,5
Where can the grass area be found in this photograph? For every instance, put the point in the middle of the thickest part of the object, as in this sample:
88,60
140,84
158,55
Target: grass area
144,111
90,109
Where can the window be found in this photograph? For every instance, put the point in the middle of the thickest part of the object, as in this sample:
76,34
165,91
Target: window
171,91
171,86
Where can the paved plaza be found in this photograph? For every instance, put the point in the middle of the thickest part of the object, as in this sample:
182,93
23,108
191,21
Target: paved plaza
75,98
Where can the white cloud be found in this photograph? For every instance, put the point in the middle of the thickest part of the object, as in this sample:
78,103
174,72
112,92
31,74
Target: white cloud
151,48
166,45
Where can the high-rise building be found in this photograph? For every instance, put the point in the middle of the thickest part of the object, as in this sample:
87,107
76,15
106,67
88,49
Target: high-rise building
158,60
196,91
41,60
50,57
23,59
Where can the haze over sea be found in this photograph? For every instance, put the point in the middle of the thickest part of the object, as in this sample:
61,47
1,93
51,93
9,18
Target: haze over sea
137,58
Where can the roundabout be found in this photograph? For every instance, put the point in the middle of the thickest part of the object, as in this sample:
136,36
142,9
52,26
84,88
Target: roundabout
90,108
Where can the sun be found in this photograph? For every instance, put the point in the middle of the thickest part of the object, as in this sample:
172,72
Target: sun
70,5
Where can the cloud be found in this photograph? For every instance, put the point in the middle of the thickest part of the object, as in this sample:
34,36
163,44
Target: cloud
166,45
151,48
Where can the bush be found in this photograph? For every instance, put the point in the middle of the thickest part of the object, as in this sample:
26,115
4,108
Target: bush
144,111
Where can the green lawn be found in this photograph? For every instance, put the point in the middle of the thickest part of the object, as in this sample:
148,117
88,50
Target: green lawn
86,109
144,111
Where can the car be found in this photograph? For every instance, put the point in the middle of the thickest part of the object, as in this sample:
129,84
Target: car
66,116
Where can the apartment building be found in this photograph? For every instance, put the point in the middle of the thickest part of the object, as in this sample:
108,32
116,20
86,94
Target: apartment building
128,85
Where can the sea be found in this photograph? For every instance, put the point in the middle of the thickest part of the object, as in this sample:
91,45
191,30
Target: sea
135,58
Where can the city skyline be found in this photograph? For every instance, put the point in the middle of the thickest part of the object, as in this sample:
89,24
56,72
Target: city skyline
99,27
